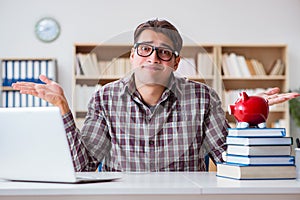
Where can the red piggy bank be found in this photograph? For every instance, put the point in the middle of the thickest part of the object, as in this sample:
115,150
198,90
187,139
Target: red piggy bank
250,111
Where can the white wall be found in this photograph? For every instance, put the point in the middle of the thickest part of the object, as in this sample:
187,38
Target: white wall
202,21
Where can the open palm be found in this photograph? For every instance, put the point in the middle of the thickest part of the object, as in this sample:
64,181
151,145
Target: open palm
51,91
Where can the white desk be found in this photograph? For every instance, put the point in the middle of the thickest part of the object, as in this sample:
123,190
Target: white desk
173,186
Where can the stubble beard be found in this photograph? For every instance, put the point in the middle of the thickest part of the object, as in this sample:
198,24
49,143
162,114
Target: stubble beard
152,75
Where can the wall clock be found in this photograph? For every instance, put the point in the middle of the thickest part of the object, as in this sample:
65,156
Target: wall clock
47,29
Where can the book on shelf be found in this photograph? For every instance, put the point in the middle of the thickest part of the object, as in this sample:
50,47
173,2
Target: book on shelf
258,67
246,172
255,132
260,160
225,67
205,64
243,66
233,65
87,64
186,68
78,67
115,67
238,66
258,140
250,67
84,94
277,68
269,150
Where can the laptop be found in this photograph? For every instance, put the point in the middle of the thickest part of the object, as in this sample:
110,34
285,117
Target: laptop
34,147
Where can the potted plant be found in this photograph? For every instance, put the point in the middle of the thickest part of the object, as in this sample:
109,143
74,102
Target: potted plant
295,109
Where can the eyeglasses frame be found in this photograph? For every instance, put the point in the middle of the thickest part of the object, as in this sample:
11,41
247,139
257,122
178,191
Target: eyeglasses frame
154,48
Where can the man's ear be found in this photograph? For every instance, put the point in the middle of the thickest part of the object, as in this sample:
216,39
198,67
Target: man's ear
177,60
131,55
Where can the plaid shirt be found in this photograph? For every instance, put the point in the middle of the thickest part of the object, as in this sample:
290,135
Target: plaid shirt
123,133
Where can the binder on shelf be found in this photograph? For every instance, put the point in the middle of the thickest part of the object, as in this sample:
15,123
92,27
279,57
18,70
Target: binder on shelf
27,70
15,99
3,73
16,71
13,70
9,76
23,70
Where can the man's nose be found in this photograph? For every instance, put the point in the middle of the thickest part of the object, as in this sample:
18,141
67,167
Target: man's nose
154,57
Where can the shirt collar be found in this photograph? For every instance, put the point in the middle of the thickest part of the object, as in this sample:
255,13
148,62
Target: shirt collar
129,84
174,85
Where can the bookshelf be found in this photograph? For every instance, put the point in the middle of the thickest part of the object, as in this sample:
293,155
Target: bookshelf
23,69
111,61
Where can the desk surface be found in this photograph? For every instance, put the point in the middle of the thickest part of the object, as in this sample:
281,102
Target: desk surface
176,185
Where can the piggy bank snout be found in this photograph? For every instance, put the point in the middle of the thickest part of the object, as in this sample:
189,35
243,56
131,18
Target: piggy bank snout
231,109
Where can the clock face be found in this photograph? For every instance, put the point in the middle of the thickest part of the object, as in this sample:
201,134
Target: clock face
47,29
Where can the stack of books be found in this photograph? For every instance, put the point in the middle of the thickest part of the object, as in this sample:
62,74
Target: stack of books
255,153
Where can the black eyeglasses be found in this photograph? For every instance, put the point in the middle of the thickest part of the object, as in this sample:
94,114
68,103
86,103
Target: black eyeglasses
162,53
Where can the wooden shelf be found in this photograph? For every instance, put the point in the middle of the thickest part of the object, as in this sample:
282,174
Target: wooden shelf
255,78
6,88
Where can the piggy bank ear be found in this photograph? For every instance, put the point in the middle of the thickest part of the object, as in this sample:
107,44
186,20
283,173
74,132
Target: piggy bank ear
244,96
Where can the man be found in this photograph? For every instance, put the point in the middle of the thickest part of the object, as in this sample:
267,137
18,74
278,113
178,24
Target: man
149,120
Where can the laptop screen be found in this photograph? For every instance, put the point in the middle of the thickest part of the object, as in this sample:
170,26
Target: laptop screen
33,145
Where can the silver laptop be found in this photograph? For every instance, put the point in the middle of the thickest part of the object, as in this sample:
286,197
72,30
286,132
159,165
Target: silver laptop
34,147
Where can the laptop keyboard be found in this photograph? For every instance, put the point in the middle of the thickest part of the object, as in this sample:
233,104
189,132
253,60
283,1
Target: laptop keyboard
97,176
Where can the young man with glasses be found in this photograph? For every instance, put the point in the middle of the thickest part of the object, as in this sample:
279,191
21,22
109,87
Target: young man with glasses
149,120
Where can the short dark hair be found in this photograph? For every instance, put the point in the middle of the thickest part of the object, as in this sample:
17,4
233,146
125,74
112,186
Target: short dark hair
161,26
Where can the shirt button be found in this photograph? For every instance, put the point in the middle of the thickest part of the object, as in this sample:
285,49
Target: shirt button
151,142
152,166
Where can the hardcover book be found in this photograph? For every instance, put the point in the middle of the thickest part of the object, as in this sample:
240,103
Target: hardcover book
269,150
257,132
260,160
241,172
258,140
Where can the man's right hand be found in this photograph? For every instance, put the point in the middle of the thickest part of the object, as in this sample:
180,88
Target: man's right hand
50,92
